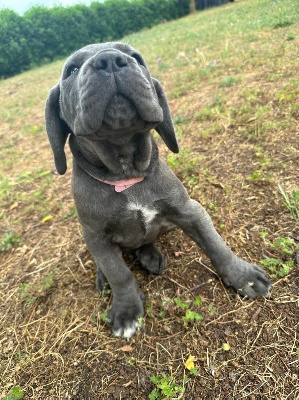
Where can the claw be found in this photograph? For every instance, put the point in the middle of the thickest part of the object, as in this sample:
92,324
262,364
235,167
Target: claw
128,331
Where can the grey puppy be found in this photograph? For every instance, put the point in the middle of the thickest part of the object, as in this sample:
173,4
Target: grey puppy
125,195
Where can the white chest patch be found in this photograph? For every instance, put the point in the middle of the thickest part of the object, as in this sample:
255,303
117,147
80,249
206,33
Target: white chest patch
147,213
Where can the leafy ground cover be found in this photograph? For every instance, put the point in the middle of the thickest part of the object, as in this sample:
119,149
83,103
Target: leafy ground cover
231,75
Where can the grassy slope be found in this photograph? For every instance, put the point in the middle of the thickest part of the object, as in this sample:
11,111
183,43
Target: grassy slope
231,75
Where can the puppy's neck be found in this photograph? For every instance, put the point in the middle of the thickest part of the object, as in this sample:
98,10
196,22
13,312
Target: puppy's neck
136,157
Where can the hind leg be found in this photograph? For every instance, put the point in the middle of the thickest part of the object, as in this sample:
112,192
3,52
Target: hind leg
151,258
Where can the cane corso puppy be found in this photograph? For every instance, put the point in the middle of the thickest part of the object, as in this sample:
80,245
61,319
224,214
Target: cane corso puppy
125,195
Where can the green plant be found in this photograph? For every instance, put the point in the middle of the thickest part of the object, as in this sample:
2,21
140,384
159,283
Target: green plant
9,239
30,292
291,201
180,119
186,165
285,245
104,317
260,175
191,317
160,309
15,393
72,213
277,267
5,187
197,302
205,114
166,387
181,304
212,309
284,248
228,81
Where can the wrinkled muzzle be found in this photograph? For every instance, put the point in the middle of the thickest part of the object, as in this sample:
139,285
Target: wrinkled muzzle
112,92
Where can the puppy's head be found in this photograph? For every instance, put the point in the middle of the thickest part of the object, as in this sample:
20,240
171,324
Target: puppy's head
105,90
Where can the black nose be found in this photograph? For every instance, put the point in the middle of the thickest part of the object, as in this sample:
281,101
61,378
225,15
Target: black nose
110,61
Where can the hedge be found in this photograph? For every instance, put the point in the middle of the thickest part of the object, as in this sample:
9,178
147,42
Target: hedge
44,34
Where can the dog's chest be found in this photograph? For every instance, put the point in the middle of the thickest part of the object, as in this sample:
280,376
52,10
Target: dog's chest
138,224
145,213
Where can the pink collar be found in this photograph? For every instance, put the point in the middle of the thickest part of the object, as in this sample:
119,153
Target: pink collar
123,184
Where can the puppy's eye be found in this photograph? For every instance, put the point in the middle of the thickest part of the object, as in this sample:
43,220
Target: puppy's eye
71,70
138,58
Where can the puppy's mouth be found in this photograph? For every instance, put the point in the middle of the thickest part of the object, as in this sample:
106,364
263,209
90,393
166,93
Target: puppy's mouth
120,114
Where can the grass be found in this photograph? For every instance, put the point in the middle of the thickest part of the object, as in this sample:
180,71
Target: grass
291,201
230,74
8,240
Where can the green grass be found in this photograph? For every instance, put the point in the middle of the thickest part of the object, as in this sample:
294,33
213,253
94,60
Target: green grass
9,239
291,201
30,292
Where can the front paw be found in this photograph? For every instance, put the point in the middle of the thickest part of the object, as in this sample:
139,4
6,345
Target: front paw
125,314
248,279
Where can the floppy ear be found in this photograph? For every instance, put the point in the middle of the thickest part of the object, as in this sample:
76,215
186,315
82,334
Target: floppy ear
57,129
165,128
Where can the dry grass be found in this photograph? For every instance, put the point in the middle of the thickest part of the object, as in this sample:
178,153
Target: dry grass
239,139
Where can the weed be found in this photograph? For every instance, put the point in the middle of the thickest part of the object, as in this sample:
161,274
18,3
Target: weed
177,305
104,317
181,304
204,114
263,156
184,163
260,175
283,248
191,317
31,292
149,310
277,267
228,81
197,302
212,310
162,314
180,119
178,92
72,213
291,201
285,245
34,130
283,24
166,387
29,177
5,187
15,393
163,66
9,239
